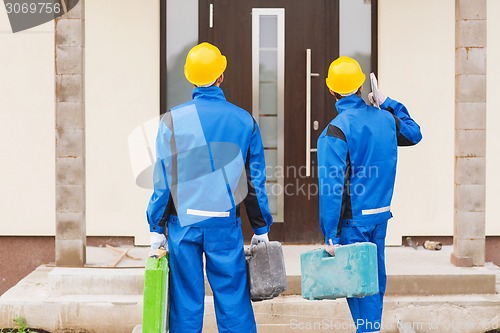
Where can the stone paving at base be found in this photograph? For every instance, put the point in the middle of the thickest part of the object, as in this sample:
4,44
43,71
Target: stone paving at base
103,299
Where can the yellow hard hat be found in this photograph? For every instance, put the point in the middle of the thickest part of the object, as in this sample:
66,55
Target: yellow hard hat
345,76
204,64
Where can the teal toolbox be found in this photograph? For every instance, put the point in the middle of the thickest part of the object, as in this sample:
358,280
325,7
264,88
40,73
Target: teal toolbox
352,272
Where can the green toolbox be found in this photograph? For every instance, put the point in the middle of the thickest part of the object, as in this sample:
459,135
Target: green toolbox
352,272
155,309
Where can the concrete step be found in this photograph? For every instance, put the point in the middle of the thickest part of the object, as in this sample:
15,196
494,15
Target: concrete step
425,285
464,314
410,272
96,281
422,272
34,299
422,285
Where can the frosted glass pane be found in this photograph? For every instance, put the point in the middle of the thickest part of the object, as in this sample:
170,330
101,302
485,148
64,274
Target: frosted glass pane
271,163
268,31
268,66
356,33
272,190
268,98
268,130
182,15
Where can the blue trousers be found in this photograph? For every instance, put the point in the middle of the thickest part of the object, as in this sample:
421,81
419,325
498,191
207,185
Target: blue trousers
367,311
226,273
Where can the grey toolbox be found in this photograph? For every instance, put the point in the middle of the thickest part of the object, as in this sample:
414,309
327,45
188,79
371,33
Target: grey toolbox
266,270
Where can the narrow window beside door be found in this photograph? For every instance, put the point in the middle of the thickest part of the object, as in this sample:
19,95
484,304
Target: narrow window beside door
268,92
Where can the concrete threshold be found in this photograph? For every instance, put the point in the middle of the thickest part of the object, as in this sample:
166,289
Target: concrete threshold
423,289
412,272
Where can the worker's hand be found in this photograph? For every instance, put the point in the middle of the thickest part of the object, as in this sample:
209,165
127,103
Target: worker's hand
158,240
381,98
256,239
331,248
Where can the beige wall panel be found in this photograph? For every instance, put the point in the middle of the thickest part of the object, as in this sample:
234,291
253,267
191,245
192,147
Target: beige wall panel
122,91
493,121
416,66
27,178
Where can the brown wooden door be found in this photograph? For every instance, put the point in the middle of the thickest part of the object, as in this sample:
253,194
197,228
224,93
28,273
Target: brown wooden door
309,24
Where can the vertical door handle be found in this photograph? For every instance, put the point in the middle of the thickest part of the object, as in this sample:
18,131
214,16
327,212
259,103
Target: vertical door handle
309,150
211,16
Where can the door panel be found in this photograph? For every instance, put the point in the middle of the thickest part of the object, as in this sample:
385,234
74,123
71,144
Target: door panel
311,24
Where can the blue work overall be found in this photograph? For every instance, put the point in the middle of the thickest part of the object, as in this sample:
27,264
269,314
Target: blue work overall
210,158
357,157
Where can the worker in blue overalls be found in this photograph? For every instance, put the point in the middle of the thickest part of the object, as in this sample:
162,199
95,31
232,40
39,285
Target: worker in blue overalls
210,158
357,156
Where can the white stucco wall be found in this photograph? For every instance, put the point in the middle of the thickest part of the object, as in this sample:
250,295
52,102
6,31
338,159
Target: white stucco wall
493,120
122,91
27,117
416,66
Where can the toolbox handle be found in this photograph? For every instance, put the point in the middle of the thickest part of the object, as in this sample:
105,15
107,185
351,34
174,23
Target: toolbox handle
327,256
159,253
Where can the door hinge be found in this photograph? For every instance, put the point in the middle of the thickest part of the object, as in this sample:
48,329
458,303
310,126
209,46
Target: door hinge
211,16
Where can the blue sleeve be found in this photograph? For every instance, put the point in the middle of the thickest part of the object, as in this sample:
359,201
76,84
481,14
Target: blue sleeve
408,130
160,199
256,202
332,165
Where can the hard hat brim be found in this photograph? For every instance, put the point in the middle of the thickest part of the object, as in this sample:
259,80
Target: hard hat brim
333,87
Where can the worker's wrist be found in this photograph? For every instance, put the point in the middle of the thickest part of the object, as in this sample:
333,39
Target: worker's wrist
335,241
261,231
156,228
386,103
